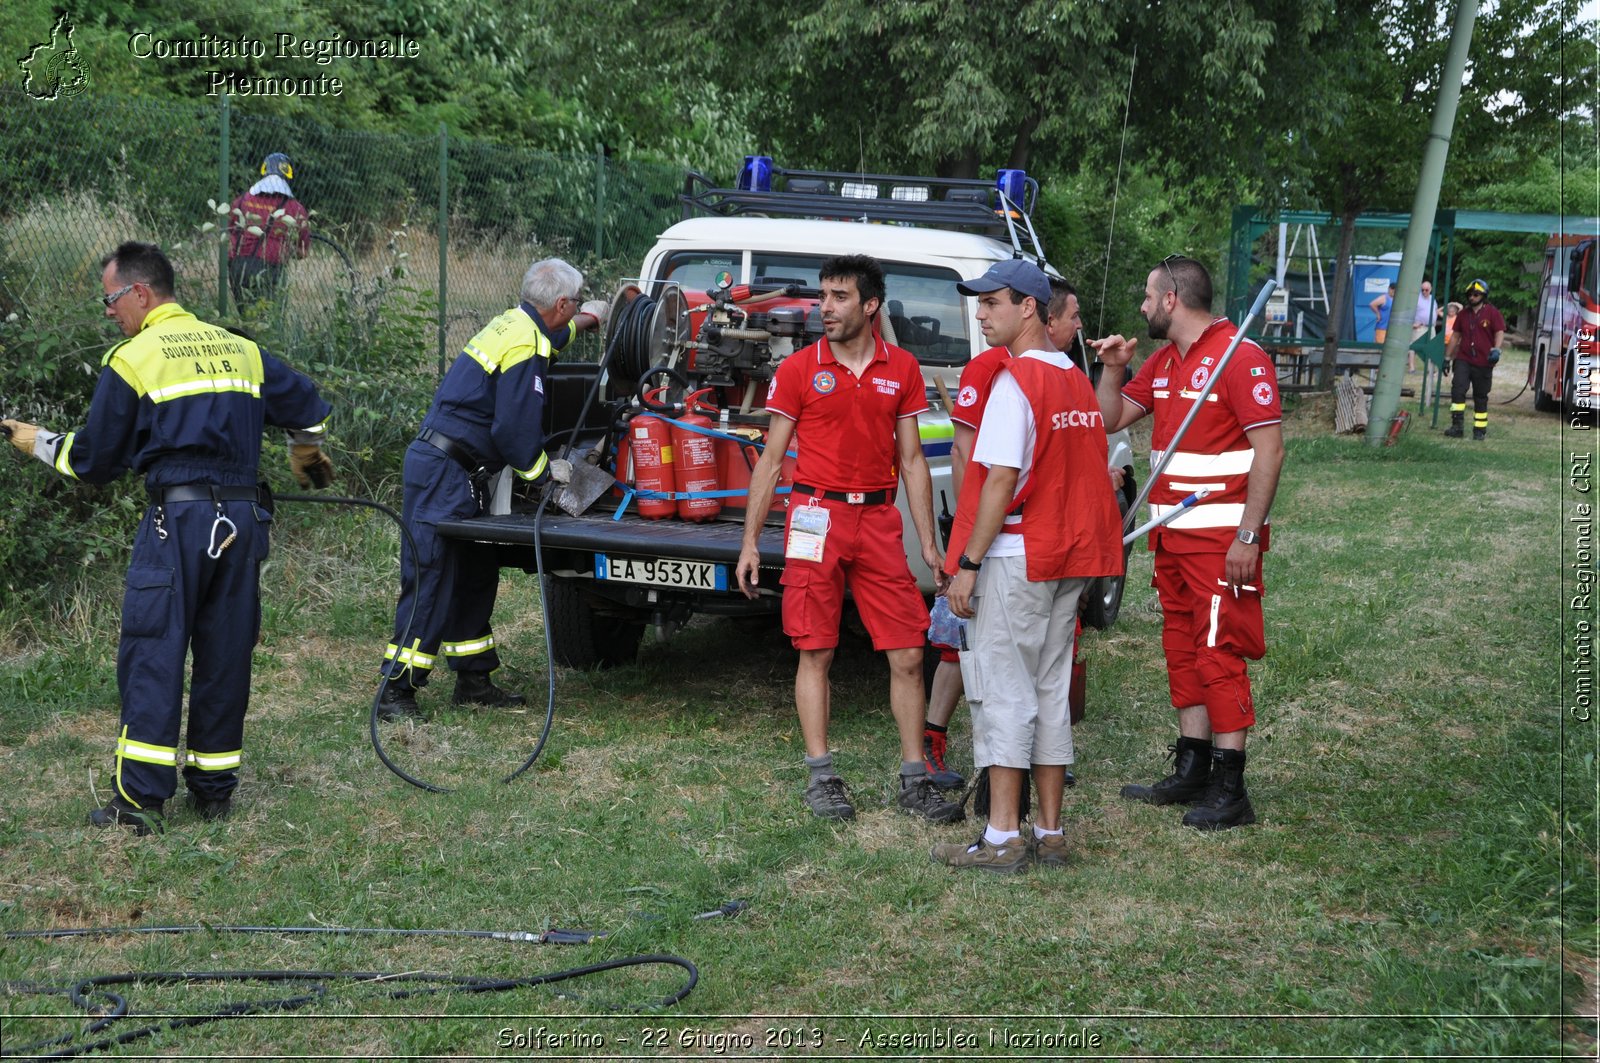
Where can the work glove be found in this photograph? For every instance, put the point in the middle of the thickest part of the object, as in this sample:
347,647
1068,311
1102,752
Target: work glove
1494,355
20,433
32,440
598,309
311,467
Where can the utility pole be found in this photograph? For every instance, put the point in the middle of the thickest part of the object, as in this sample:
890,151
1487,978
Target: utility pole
1414,258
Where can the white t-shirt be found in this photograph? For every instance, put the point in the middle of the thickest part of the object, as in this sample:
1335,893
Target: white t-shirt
1007,437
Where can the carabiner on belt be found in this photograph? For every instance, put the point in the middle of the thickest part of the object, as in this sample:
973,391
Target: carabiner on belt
214,550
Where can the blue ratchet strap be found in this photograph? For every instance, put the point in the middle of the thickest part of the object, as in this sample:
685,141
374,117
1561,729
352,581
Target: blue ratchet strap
714,434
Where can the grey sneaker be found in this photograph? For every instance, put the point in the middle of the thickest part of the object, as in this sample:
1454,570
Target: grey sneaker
923,798
1010,858
826,799
1050,851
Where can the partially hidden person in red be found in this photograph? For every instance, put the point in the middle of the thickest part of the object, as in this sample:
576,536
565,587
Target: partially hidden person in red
266,226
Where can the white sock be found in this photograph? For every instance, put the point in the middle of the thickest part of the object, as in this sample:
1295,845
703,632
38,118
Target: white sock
999,837
1040,832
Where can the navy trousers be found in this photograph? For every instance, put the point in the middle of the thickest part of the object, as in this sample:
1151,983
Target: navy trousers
177,600
451,585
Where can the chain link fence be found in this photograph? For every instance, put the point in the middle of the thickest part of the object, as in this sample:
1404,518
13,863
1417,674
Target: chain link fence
416,242
447,224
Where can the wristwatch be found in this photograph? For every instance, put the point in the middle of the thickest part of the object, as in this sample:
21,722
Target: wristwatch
1249,538
967,563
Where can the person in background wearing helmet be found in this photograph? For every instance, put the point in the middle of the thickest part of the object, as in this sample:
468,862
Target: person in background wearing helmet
487,415
1473,350
263,225
183,403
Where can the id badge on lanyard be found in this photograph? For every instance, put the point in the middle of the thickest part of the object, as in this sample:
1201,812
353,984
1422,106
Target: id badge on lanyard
808,532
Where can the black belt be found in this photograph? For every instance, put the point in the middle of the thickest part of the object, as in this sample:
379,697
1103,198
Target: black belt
854,498
166,496
451,449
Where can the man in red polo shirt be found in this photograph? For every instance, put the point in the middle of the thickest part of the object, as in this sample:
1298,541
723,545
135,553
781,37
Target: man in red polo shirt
1208,561
850,402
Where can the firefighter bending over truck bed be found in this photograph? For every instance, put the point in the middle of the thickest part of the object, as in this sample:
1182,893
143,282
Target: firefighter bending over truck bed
850,401
487,414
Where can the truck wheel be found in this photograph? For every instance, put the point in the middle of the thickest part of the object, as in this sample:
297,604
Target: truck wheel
1542,400
584,639
1103,596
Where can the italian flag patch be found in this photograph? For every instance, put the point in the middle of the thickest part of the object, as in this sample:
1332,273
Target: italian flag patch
1257,371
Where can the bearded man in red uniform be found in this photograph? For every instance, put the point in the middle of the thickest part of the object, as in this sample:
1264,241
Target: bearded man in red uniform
1208,561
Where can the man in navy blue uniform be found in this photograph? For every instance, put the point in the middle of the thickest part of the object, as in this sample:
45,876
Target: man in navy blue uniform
488,414
183,403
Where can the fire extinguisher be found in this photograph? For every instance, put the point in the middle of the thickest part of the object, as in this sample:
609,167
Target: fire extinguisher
650,457
694,464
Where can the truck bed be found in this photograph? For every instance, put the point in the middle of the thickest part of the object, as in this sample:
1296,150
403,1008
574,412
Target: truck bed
596,532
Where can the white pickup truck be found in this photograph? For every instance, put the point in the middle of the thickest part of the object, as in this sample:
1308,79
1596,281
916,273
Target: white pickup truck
722,298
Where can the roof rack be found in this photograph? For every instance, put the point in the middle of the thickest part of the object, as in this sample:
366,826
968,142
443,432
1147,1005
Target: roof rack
941,202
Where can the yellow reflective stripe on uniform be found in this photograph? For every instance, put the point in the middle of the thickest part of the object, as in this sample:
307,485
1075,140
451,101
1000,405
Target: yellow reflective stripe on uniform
63,466
468,649
414,657
196,387
175,355
538,469
145,753
507,341
936,430
214,761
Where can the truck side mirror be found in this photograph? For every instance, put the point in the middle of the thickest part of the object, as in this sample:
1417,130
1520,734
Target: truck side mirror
1578,266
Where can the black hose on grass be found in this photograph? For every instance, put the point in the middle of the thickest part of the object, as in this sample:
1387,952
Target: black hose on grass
91,996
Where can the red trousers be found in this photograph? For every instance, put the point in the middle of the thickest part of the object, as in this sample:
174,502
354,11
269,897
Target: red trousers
1207,634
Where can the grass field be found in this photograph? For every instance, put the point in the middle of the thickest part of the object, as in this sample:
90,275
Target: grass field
1422,881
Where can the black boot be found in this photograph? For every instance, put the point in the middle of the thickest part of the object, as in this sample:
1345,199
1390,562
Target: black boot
476,688
1226,804
120,813
398,702
1454,431
1191,770
1480,433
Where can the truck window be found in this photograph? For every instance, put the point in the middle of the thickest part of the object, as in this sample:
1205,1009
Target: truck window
697,270
928,315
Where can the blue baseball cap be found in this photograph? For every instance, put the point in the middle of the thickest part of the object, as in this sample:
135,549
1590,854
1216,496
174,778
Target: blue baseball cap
1017,274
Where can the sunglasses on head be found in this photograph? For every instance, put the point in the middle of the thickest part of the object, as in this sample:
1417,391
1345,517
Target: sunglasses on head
1166,264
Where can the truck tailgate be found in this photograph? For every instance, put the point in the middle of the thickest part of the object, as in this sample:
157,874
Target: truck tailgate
596,532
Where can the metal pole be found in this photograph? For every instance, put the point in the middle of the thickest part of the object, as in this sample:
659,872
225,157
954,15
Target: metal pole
444,236
1199,403
599,200
223,199
1392,366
